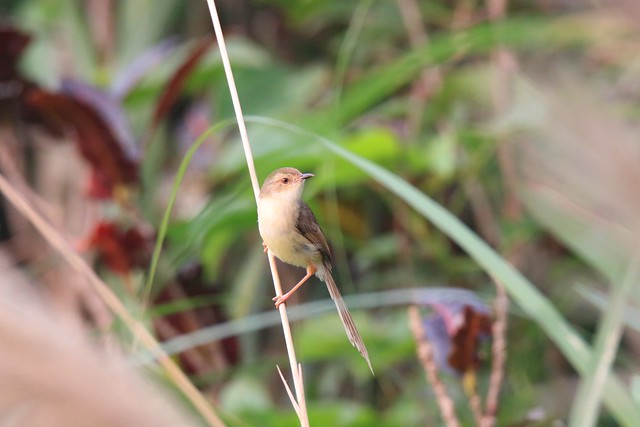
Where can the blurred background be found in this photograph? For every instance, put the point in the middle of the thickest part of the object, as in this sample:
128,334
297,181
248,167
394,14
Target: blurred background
518,118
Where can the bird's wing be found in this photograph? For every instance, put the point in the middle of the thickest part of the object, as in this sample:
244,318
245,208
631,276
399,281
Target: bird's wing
308,226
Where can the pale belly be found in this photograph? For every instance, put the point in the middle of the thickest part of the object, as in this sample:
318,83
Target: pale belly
278,231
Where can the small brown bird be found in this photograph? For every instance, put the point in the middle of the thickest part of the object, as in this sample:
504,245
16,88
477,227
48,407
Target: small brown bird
290,230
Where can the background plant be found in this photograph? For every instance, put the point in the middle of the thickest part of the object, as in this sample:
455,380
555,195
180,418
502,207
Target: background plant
537,166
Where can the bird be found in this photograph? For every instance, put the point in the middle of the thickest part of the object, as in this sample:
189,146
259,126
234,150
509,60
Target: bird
291,232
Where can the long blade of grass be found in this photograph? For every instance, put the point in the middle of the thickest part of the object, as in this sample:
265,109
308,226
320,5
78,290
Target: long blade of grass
536,305
586,406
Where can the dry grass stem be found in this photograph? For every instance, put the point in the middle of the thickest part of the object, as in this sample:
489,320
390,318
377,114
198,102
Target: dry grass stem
111,300
296,370
498,353
425,356
505,64
292,398
475,404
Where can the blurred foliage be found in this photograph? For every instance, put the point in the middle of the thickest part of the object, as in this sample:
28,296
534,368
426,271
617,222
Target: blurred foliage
562,213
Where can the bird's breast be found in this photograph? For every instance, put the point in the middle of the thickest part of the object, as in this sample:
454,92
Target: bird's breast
277,224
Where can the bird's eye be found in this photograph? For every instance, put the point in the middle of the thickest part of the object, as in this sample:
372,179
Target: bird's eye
285,180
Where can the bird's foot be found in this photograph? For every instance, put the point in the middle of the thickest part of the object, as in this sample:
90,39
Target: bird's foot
280,299
265,249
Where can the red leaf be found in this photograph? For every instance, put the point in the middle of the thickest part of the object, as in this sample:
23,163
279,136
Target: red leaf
12,44
97,142
464,355
98,188
121,250
108,108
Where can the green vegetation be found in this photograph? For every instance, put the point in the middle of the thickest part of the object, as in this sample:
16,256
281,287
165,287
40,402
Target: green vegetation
454,153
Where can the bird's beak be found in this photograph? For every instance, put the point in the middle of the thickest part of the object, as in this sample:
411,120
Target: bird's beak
306,176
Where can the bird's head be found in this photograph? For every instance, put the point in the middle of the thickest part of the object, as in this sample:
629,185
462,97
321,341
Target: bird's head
284,183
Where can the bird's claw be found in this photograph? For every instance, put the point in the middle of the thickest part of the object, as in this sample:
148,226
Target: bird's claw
279,300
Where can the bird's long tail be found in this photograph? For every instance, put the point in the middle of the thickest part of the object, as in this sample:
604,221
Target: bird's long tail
345,316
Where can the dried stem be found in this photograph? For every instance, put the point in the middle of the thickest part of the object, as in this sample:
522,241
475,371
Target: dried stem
296,371
425,356
505,64
475,404
58,242
499,353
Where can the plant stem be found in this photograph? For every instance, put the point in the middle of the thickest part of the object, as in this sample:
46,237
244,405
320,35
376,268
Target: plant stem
425,356
296,371
586,405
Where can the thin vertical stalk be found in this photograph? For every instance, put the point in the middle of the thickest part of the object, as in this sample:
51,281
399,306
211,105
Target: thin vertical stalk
499,353
296,371
586,406
425,356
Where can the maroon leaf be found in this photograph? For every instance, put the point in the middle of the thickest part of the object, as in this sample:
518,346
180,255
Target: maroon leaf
455,330
464,356
108,107
98,188
176,83
12,44
13,86
121,250
99,144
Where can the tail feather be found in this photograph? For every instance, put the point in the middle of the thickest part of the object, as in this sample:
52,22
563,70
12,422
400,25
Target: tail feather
345,316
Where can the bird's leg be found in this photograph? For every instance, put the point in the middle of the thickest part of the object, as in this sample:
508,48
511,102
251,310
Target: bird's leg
311,270
265,249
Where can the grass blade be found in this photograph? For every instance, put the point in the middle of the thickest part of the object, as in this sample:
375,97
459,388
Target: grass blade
584,412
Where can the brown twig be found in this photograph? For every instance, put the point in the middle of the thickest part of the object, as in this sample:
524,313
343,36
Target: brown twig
56,240
425,356
499,353
475,404
505,64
